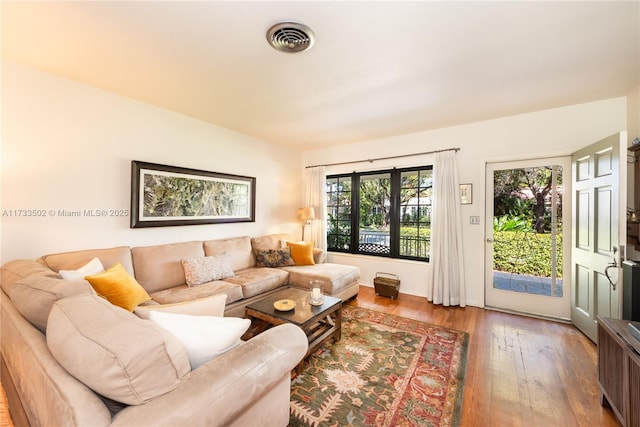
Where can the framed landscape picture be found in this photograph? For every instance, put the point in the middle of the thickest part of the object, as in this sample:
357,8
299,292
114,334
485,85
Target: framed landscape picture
164,195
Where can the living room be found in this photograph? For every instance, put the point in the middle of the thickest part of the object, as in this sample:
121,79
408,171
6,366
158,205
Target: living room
92,135
68,146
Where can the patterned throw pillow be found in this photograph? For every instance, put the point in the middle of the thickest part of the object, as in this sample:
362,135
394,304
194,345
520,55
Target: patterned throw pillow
199,270
274,258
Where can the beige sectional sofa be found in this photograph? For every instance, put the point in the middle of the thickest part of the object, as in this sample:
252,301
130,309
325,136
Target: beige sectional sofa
247,385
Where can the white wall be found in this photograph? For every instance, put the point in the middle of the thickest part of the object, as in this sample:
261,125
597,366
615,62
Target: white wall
69,146
633,127
633,113
554,132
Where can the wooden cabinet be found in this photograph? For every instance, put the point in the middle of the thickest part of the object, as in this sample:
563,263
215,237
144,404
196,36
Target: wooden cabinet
619,370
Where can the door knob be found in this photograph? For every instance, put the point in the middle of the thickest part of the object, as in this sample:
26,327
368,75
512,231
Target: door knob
613,264
489,240
606,274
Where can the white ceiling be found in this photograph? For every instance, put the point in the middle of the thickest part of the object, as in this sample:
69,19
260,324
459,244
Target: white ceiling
377,69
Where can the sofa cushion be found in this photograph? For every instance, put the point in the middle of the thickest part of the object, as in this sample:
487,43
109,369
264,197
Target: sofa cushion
159,267
184,293
113,352
119,287
257,280
92,267
210,306
302,252
199,270
274,258
204,337
238,249
334,277
34,296
18,269
76,259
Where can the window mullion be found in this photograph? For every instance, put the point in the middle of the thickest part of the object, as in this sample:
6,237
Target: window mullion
394,229
355,212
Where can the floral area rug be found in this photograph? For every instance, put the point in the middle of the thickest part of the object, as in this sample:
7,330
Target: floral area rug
385,371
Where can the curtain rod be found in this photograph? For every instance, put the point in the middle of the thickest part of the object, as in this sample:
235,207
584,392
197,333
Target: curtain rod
385,158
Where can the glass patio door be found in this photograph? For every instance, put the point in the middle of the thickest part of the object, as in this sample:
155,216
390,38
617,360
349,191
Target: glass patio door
525,243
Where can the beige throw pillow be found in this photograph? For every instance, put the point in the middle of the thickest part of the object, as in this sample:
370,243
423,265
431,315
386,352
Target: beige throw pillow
199,270
210,306
113,352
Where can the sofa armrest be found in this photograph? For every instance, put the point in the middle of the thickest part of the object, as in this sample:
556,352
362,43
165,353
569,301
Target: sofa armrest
319,256
219,391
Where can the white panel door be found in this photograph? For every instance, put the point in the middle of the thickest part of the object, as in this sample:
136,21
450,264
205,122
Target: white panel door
598,227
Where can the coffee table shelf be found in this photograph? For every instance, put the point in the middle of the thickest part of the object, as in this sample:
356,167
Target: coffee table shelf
319,323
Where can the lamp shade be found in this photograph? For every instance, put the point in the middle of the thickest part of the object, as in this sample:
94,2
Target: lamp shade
305,214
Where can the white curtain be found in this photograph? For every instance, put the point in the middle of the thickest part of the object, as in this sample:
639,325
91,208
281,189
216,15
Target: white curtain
447,272
315,196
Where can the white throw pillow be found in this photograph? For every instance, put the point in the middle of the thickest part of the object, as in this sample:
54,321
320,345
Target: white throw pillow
89,269
209,306
204,337
199,270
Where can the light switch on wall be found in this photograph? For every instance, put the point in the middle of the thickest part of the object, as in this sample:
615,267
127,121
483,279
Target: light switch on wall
475,220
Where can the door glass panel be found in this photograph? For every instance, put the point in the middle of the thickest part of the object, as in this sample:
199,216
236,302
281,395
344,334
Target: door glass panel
527,230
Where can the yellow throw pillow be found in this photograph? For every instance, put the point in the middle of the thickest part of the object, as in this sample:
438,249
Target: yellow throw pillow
118,287
302,252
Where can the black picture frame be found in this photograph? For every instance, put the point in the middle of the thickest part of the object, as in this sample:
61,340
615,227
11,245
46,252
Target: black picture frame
165,196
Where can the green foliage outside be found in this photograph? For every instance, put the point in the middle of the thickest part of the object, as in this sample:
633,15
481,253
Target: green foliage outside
524,252
510,223
524,193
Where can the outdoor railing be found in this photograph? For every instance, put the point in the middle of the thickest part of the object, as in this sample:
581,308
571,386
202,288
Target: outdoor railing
379,243
414,246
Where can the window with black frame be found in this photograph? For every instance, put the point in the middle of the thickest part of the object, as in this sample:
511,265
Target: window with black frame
339,213
383,213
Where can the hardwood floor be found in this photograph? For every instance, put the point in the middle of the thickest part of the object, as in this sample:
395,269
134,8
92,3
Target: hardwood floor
520,371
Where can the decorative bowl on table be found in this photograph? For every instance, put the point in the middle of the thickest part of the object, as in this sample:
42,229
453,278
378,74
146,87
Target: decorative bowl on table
284,305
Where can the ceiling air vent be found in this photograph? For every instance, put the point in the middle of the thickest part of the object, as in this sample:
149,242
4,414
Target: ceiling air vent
290,37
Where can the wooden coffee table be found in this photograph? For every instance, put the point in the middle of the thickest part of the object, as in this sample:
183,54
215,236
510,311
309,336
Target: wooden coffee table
319,323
